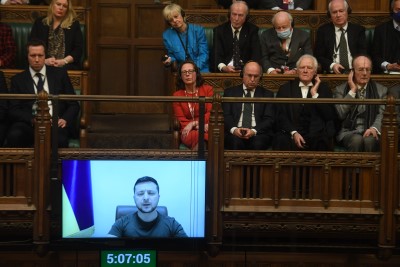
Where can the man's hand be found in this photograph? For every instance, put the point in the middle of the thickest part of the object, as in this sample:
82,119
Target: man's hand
317,82
299,140
393,67
16,2
337,68
62,123
244,133
350,81
371,131
229,69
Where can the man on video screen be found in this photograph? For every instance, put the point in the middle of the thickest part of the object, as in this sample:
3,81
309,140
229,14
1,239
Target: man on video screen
147,221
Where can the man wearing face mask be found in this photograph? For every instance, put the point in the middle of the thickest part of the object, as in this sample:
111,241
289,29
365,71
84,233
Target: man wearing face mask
385,49
283,45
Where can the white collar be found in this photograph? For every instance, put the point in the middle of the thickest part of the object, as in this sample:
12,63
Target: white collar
301,84
396,24
42,71
337,29
233,29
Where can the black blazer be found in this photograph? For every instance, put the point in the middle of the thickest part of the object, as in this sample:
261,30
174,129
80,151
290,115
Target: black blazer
58,82
249,44
272,54
326,40
268,4
305,118
263,112
385,46
73,40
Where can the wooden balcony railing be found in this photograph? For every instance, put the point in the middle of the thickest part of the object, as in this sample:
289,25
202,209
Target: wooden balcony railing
254,198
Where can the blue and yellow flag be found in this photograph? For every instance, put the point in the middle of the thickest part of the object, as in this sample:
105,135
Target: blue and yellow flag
77,200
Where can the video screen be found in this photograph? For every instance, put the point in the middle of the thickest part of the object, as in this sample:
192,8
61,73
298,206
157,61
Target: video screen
98,198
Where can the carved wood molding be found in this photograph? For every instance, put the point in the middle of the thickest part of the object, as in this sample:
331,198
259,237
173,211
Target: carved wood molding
349,226
28,13
303,19
299,158
220,81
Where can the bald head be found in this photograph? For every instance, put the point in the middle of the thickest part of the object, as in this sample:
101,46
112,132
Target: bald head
362,66
282,17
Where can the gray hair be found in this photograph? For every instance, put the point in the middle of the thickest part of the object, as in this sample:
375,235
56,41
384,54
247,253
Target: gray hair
346,6
242,3
290,17
315,61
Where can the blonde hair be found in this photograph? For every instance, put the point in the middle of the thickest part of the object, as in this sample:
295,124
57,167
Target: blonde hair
170,9
69,18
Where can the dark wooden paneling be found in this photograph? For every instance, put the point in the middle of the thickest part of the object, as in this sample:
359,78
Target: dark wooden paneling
115,21
149,22
367,5
128,38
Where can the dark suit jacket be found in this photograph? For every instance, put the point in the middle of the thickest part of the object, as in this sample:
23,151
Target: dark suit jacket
263,112
39,2
73,40
249,44
307,119
272,54
58,82
385,45
326,40
268,4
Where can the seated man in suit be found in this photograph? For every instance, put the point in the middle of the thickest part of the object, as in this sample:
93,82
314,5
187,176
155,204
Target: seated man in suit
305,126
361,124
283,45
236,41
146,222
271,4
339,41
36,78
248,125
385,49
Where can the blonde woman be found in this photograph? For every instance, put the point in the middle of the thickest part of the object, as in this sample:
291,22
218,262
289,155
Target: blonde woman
61,32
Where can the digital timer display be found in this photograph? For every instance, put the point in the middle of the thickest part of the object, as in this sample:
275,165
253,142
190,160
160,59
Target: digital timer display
124,258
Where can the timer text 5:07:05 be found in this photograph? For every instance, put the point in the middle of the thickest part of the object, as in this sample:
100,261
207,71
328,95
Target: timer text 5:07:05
128,258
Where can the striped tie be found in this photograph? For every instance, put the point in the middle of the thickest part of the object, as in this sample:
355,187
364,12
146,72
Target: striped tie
247,112
343,53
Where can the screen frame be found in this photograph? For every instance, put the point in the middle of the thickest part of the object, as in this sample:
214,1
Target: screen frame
192,242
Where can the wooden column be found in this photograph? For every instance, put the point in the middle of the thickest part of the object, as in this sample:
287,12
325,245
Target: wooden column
215,176
41,180
389,181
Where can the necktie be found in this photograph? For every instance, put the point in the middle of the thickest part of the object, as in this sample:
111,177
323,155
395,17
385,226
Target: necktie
40,83
362,93
236,53
343,53
247,112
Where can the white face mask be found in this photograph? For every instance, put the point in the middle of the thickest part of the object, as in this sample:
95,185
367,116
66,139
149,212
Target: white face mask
284,34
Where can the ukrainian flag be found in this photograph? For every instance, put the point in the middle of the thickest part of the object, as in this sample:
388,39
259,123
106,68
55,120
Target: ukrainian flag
77,200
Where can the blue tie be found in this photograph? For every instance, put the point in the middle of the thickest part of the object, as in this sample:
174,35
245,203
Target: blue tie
40,83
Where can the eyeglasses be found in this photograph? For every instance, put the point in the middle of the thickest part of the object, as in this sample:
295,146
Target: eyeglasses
367,70
184,72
